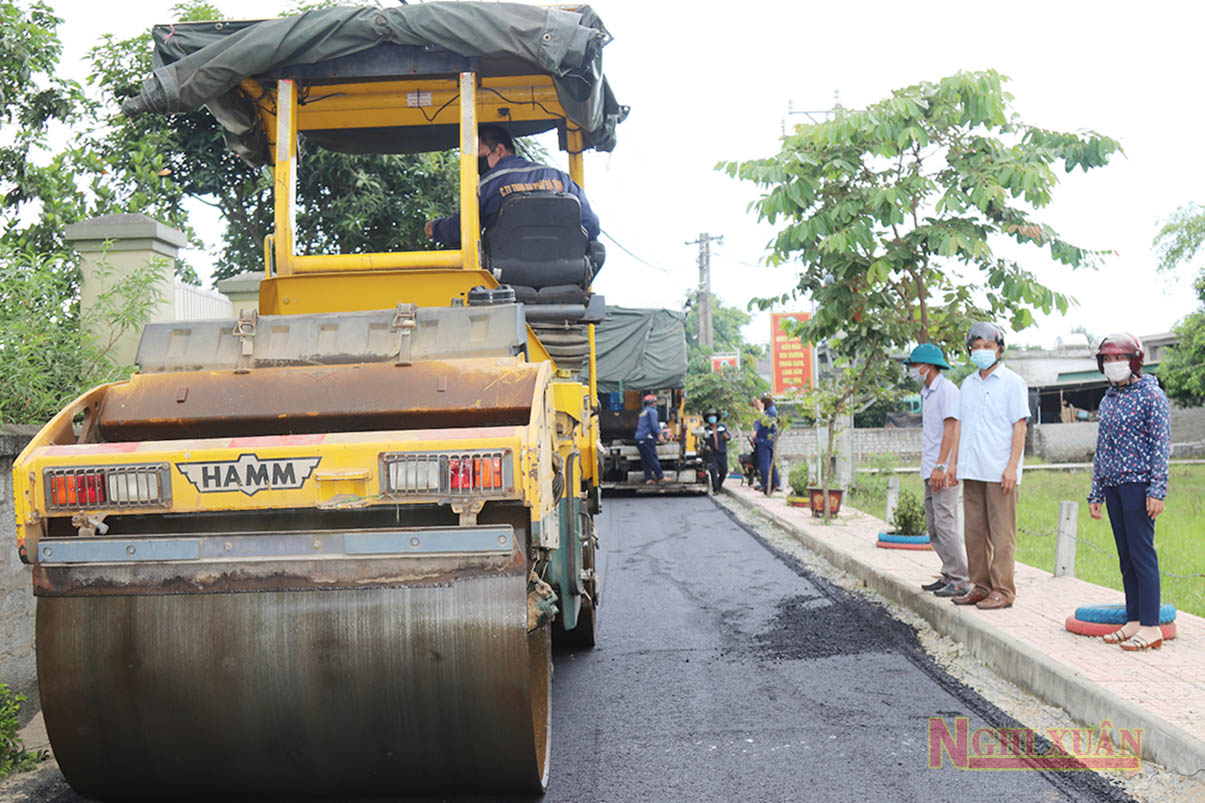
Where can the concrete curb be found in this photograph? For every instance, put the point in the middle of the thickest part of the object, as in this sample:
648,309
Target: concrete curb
1083,699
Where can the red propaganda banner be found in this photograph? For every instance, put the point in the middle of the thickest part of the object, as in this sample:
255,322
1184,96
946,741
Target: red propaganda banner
721,361
792,360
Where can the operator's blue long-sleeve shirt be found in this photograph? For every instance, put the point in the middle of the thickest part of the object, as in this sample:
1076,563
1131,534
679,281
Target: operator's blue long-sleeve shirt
514,174
648,425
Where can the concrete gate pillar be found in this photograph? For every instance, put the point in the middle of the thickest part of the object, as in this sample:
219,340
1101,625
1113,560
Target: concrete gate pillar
114,246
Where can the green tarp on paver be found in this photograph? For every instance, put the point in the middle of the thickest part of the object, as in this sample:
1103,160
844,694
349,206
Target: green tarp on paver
200,64
640,349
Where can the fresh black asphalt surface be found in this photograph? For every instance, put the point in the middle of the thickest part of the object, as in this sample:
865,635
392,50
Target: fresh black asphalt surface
727,672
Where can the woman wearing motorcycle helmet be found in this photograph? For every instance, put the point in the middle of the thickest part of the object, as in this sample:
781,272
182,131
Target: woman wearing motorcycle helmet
1129,476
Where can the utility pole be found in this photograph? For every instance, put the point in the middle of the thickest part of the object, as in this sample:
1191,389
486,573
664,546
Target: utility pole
704,242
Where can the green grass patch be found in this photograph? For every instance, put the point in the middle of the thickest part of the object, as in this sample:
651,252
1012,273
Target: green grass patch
1177,532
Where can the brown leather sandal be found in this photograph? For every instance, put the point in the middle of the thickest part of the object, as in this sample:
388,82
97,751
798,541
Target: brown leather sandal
1116,637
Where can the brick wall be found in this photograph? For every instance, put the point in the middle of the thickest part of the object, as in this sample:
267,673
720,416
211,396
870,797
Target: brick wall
17,667
1188,424
1056,443
905,442
1065,443
1076,442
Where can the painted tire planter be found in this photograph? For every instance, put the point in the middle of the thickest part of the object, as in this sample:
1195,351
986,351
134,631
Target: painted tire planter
894,545
817,501
896,538
1082,628
799,501
1116,614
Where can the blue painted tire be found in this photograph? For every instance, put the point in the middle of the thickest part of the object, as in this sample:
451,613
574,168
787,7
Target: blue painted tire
892,538
1116,614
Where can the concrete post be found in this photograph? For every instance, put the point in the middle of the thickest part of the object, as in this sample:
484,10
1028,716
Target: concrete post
117,245
845,452
17,666
242,290
1064,546
893,496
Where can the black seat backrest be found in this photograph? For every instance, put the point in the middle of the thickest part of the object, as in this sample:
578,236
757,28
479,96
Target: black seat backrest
537,240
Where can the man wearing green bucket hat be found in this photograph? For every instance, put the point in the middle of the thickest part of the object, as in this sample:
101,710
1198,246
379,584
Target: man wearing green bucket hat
939,410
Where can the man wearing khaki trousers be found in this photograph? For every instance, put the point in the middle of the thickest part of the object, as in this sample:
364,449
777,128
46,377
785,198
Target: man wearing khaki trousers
993,408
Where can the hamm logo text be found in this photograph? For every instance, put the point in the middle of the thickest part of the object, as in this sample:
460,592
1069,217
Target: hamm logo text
249,474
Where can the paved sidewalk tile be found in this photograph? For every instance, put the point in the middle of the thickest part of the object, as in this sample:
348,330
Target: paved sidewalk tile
1168,683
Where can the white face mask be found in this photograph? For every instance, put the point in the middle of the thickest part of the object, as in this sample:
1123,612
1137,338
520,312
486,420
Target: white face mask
917,375
1117,372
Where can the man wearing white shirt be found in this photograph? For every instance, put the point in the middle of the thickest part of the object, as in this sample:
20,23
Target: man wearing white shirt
993,409
939,410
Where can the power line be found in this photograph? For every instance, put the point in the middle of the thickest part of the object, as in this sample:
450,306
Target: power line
633,256
736,261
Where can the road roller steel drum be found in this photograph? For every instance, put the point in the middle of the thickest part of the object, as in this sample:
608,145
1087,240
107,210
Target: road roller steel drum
329,664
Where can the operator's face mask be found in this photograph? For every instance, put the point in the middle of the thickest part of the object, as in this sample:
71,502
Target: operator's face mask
483,162
711,419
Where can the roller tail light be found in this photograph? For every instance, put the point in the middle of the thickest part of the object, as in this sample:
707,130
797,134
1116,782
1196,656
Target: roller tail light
96,487
447,474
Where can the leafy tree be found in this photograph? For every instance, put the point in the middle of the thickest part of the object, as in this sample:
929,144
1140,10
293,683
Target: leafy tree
51,352
729,390
1182,370
13,755
893,211
347,203
859,378
32,99
1181,237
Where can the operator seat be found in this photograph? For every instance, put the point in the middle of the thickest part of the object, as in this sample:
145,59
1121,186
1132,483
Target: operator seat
538,246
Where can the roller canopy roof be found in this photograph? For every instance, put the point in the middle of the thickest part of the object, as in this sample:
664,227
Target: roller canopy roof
200,64
641,349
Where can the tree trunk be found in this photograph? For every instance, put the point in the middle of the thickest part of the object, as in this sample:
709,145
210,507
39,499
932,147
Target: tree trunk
828,465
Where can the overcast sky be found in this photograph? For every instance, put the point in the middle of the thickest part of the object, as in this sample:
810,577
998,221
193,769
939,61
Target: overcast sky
709,82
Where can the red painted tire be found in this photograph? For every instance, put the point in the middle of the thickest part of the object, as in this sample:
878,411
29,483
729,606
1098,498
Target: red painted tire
1082,628
893,545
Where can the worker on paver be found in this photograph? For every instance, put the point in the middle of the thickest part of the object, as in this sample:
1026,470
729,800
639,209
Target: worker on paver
716,437
939,407
1129,475
993,411
648,435
765,433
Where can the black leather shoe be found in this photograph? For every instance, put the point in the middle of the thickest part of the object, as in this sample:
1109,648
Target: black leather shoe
949,590
936,584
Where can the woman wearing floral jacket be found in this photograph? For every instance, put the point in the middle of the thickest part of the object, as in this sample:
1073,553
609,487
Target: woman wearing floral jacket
1129,476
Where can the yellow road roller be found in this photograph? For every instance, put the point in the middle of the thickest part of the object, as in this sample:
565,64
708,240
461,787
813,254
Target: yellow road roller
320,551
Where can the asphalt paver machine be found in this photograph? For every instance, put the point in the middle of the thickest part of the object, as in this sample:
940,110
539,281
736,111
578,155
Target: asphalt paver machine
320,551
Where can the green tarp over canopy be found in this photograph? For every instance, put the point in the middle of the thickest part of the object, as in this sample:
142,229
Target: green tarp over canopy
202,63
641,349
